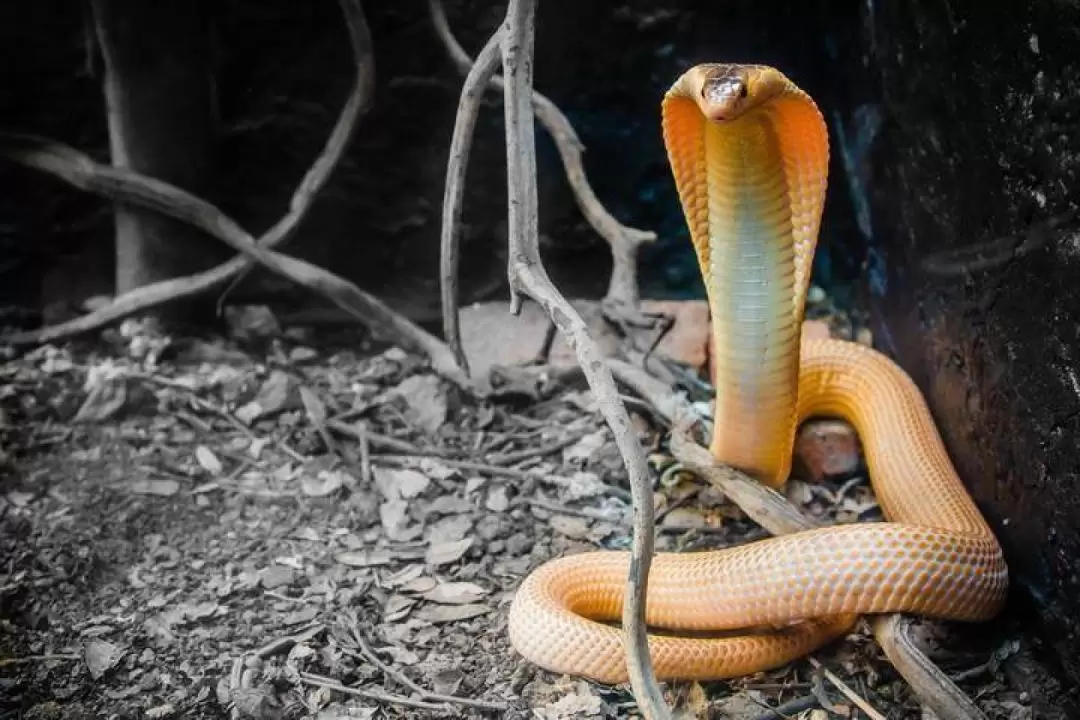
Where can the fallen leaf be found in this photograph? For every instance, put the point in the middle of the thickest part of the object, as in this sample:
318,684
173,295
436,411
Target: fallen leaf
314,406
397,607
161,488
449,505
364,558
425,399
584,484
447,682
451,527
582,703
207,460
404,576
497,500
451,613
101,656
455,593
326,482
106,398
401,656
270,399
396,483
444,553
394,516
585,448
575,528
419,585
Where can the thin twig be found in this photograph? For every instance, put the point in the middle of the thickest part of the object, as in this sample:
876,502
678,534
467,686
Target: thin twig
369,654
329,684
848,692
528,277
586,512
159,293
513,458
27,659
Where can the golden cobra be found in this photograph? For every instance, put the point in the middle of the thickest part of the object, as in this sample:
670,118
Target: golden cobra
749,152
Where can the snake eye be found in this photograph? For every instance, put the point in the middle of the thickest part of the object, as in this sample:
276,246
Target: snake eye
743,90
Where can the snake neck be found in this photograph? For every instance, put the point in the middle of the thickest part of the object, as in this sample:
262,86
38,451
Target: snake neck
750,278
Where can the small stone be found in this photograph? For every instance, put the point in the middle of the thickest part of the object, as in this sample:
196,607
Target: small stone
828,449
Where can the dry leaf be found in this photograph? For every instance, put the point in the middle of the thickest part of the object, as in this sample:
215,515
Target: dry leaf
106,397
325,483
270,399
585,448
455,593
394,516
364,558
395,483
101,656
582,703
397,607
584,484
419,585
426,401
314,407
575,528
401,656
444,553
451,613
406,575
161,488
447,682
497,501
207,460
451,527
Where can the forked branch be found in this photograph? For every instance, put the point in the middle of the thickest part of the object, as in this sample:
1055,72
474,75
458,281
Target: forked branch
527,276
160,293
623,240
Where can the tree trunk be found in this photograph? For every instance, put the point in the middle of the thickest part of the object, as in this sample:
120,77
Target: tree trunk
975,263
162,108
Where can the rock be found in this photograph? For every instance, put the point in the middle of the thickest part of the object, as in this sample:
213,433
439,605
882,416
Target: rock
973,261
827,449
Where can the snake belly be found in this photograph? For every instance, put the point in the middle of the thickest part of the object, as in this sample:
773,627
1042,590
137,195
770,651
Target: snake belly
749,154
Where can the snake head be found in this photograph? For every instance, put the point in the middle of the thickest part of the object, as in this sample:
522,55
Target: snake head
724,92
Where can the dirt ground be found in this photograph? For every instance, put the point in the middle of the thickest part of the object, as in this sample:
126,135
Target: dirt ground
313,526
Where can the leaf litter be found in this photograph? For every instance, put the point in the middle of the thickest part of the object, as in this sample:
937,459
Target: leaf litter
190,532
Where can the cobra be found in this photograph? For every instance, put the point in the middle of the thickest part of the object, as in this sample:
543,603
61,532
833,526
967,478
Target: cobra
749,154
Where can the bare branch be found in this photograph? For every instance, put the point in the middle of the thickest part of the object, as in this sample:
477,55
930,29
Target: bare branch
776,514
122,185
453,194
148,296
527,276
623,240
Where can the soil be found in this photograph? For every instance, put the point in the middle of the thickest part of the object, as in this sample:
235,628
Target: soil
297,525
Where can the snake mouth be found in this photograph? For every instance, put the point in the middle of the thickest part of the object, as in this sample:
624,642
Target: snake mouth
723,96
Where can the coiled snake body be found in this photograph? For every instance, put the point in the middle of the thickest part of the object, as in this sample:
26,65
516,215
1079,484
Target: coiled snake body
749,153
